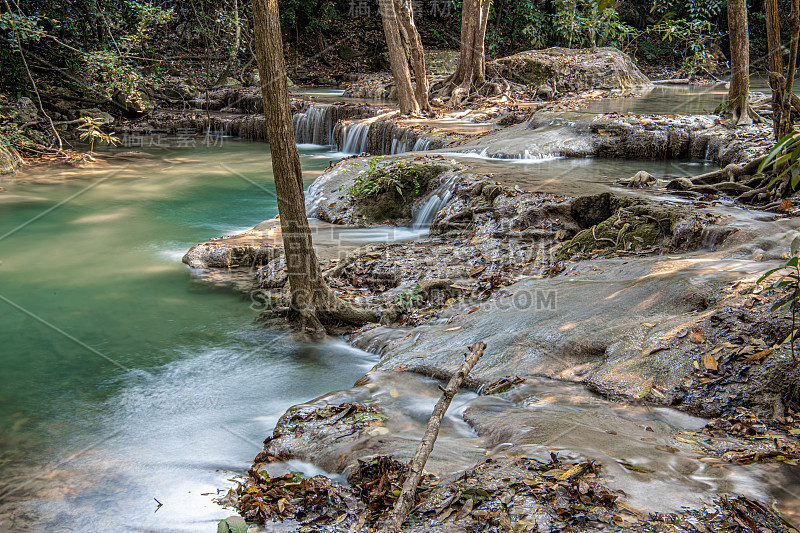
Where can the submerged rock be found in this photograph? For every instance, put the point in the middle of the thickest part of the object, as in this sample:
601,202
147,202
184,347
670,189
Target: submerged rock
567,69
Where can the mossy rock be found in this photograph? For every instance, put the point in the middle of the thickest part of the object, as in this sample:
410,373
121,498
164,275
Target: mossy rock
614,224
389,203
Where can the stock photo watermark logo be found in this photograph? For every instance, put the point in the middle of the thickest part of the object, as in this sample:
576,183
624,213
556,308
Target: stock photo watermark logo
369,8
186,138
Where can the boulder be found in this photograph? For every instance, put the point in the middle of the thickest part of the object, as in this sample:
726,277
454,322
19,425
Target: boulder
441,62
99,116
182,91
230,82
133,102
347,53
567,69
25,110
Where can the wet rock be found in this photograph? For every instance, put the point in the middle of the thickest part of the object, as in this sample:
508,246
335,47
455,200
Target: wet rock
250,249
231,82
572,69
357,191
639,180
372,86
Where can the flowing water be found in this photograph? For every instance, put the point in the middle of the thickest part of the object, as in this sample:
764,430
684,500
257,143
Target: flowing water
132,393
124,381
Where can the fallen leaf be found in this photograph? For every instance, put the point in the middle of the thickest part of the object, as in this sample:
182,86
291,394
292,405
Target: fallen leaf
710,362
760,355
696,336
636,468
668,449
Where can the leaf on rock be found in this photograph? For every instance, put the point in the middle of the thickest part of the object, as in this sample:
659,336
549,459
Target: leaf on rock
696,336
710,362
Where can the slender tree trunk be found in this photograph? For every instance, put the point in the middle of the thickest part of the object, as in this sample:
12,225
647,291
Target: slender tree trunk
398,59
405,52
413,43
787,124
470,75
312,302
739,90
775,64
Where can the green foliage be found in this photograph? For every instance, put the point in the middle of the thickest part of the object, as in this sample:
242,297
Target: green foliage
409,299
112,72
588,23
384,176
693,41
784,158
691,10
91,131
21,28
789,279
311,16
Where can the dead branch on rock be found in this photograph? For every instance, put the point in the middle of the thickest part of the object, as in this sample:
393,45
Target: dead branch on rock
406,499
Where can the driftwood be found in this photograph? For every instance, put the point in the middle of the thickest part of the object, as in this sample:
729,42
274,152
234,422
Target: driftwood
406,499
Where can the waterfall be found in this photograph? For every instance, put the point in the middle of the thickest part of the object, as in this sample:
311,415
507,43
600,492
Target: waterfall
314,126
423,143
355,137
427,212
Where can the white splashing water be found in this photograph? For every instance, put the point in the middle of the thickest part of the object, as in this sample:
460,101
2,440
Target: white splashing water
422,144
424,217
355,137
314,126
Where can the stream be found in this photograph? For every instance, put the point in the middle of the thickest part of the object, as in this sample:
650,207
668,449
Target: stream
133,393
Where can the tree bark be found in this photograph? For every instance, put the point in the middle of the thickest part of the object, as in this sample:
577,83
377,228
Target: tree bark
406,499
413,43
739,89
787,124
405,51
775,64
312,301
470,75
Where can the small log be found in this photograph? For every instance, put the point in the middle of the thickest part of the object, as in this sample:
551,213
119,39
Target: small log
405,501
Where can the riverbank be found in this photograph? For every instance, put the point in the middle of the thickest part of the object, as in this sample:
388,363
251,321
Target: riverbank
671,279
522,237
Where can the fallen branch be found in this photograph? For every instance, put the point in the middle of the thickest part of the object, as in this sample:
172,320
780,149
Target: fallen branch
406,499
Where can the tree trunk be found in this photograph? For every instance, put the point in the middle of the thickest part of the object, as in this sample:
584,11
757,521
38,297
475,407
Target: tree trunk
405,50
738,102
775,53
312,301
787,124
470,75
413,43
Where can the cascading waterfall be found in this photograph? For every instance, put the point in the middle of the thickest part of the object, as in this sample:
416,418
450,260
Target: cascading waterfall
314,126
422,144
355,138
424,217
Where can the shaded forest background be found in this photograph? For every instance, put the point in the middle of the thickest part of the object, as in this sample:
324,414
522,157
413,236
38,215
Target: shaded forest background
111,49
